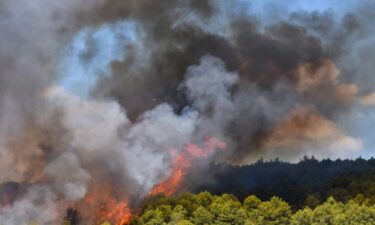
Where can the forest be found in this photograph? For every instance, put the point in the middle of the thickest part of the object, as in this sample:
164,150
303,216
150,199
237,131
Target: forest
173,112
269,193
226,209
295,183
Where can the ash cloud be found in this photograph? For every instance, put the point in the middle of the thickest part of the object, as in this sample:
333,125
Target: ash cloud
301,52
101,92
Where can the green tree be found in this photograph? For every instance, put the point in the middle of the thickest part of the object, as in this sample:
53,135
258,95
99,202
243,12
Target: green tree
204,199
153,217
302,217
184,222
313,200
273,212
227,210
205,209
179,213
251,203
202,216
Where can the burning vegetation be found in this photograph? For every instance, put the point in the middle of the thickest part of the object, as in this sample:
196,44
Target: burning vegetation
105,203
106,103
181,164
101,204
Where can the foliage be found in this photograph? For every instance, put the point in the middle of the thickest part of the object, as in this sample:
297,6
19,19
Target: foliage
71,217
305,183
333,212
304,186
207,209
360,188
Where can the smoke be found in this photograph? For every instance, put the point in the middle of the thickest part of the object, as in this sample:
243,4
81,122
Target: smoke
368,100
91,53
306,132
207,88
69,178
38,205
100,96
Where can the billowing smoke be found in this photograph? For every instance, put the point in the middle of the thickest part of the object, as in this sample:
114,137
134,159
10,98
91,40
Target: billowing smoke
100,100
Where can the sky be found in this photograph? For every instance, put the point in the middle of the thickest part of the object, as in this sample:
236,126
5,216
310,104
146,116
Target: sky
80,75
113,89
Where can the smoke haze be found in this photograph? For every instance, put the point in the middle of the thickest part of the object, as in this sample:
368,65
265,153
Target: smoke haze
102,95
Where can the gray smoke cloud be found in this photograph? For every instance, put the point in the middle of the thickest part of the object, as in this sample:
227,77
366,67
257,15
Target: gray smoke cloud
105,93
38,205
29,47
95,139
32,33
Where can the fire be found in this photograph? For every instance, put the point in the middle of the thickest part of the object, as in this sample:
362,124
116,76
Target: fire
182,162
119,212
168,186
101,202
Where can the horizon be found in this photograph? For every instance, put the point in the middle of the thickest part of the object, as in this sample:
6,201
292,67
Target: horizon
106,103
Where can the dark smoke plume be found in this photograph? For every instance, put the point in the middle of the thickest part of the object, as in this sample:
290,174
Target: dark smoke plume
95,95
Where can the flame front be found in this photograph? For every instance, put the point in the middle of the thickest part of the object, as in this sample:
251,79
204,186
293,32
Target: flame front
169,185
181,164
105,206
102,202
119,212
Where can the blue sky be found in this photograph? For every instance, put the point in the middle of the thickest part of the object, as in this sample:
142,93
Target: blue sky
80,77
88,57
82,66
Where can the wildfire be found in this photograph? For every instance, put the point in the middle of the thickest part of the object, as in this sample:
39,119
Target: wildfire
182,162
168,186
101,202
120,212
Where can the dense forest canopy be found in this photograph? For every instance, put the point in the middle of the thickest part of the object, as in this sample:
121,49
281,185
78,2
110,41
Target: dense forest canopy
114,110
291,182
310,192
204,208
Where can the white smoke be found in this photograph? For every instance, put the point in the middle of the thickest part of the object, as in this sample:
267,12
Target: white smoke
207,86
99,138
68,176
37,206
90,137
98,132
88,58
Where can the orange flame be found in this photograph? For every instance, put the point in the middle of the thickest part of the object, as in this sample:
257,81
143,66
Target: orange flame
182,162
119,212
103,203
100,202
168,186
